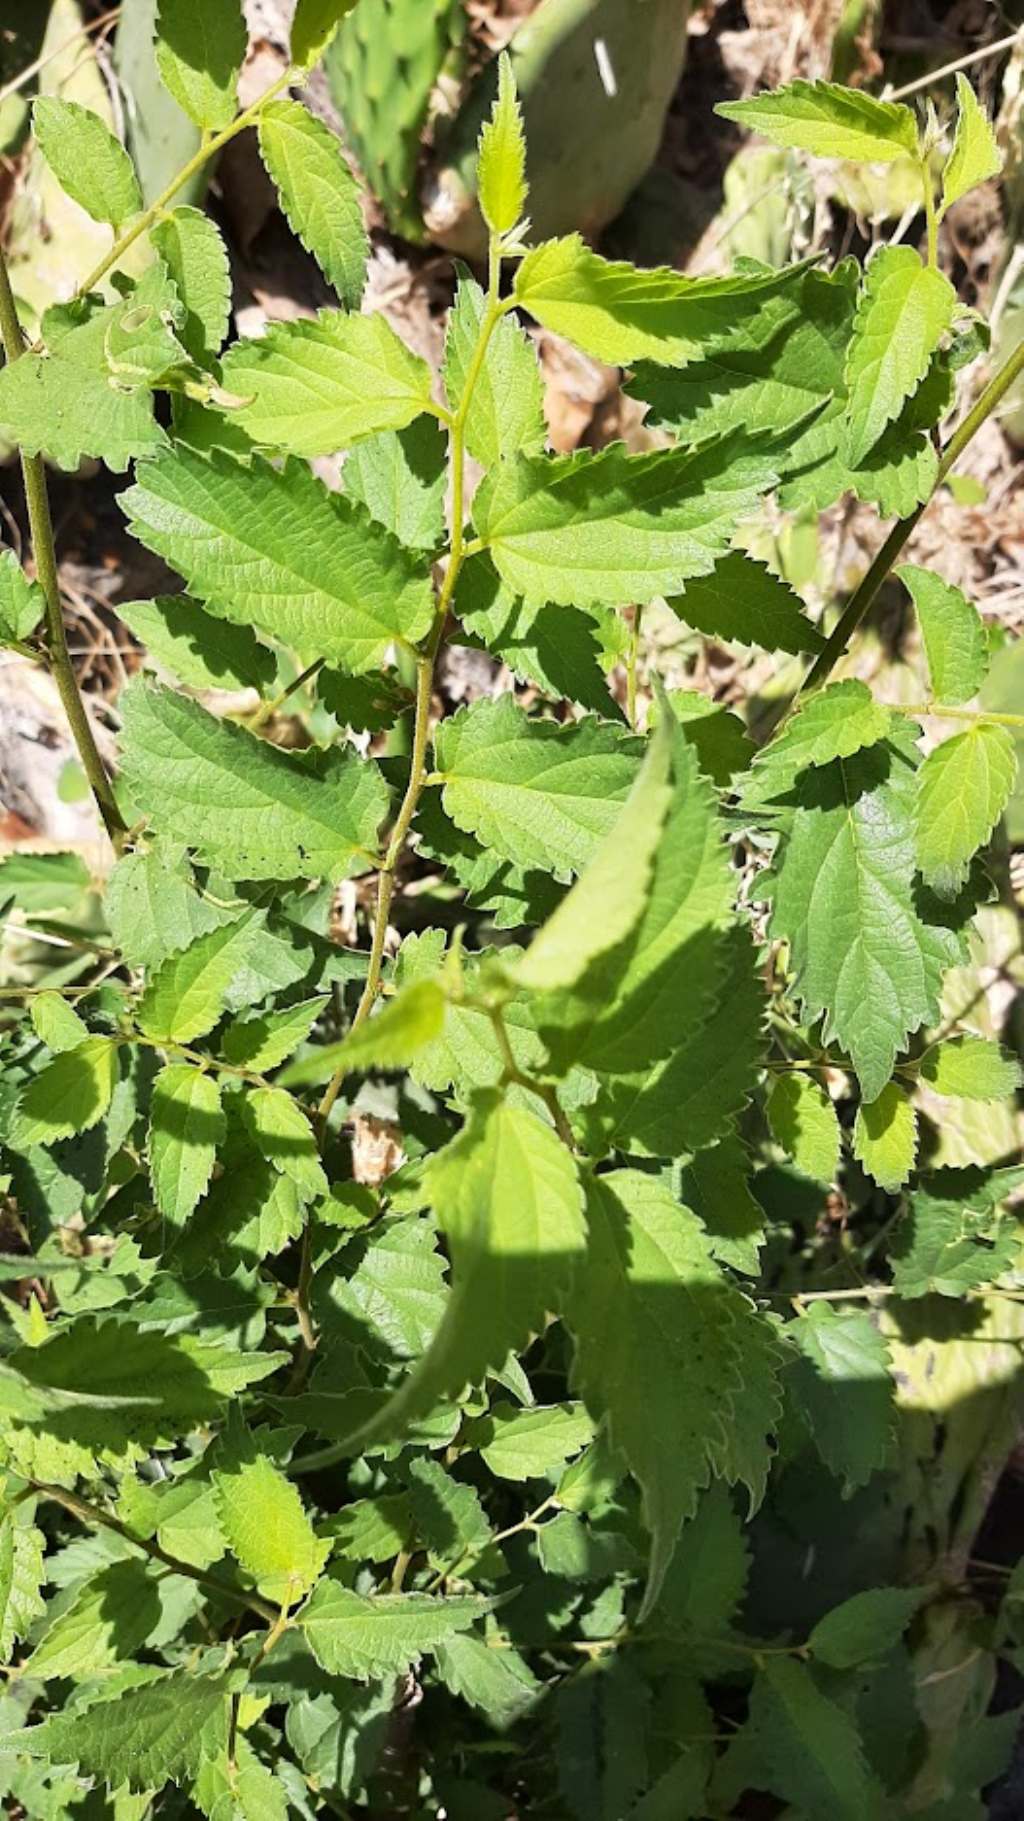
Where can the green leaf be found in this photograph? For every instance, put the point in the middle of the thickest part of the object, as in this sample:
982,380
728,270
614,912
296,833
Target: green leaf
351,1635
505,414
536,793
317,192
281,1131
22,1547
61,402
262,1043
400,477
834,723
717,735
885,1137
829,120
564,651
964,786
313,388
507,1195
200,48
275,550
852,1429
499,1683
707,1580
530,1444
866,1628
185,998
391,1040
111,1616
744,603
140,1738
613,527
154,908
975,156
57,1023
953,632
22,603
192,248
313,27
971,1068
200,651
71,1094
501,169
904,309
609,899
807,1749
389,1296
804,1122
242,1789
242,806
186,1124
373,1530
266,1526
447,1513
657,1347
715,1184
844,902
951,1240
87,161
603,1724
622,314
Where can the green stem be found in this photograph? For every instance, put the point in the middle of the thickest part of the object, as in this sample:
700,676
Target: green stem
931,218
865,594
941,711
44,550
632,665
267,710
87,1513
207,150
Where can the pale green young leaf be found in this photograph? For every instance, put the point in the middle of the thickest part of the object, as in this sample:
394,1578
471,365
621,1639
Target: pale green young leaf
964,786
391,1040
56,1022
501,171
192,645
885,1137
828,120
282,1133
903,311
22,603
400,476
744,603
186,1124
192,248
385,1634
807,1748
87,161
314,388
609,897
71,1094
508,1197
22,1547
865,1628
318,194
844,902
621,313
273,549
530,1444
538,794
200,48
804,1122
139,1738
313,27
505,413
657,1347
263,1042
266,1527
612,527
244,807
840,1348
185,998
975,156
650,994
971,1068
953,632
108,1620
